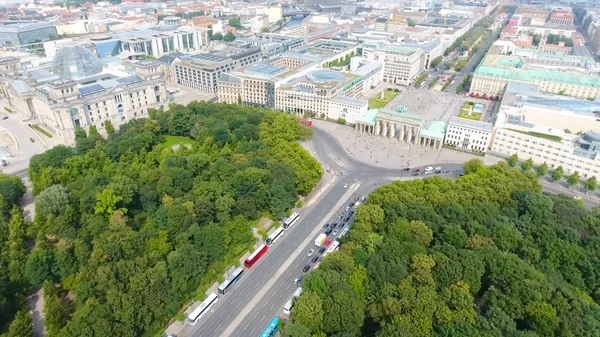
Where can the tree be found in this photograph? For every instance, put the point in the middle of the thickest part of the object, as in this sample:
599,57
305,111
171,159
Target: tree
557,174
513,160
106,201
296,330
235,22
265,30
108,126
54,312
17,249
12,189
473,166
308,311
591,184
527,165
542,170
21,326
343,312
573,179
229,37
51,201
38,267
217,37
435,62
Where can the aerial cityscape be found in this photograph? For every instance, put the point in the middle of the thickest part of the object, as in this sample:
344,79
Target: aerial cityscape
333,168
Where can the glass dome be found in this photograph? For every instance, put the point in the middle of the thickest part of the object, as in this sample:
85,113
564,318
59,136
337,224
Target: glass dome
75,62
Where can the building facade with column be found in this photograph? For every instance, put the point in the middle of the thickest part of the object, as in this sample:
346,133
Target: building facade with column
403,126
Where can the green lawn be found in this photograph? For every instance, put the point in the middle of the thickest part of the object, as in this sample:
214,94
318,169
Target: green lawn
169,141
376,103
464,113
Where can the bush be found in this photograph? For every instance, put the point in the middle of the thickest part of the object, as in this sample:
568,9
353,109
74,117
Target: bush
341,121
396,90
7,109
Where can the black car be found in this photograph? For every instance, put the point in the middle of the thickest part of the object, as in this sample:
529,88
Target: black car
356,199
351,204
327,232
437,172
315,259
306,268
351,213
347,219
407,169
322,250
334,225
415,174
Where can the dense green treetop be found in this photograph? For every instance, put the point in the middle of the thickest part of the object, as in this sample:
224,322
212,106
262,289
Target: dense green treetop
483,255
133,226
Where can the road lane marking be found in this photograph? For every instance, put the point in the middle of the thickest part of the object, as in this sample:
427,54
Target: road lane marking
284,266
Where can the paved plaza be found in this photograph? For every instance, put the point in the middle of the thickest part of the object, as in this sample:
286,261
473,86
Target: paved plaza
390,153
432,106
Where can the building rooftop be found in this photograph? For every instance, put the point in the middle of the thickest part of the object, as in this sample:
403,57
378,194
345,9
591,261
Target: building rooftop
20,87
513,68
436,130
368,118
350,101
467,123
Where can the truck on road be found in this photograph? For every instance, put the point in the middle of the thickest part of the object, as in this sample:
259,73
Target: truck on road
320,239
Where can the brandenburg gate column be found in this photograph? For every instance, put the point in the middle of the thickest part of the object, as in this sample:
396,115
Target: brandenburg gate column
393,133
402,132
385,129
376,128
410,133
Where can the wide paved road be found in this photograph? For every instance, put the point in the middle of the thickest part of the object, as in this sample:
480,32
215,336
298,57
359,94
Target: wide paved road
262,291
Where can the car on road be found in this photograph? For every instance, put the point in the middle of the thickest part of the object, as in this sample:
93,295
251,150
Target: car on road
438,168
446,171
347,219
306,268
322,250
437,172
310,252
428,172
334,225
327,232
343,173
406,169
429,168
351,204
326,225
335,232
31,140
351,213
328,242
298,280
363,199
414,174
5,117
314,259
345,185
4,162
416,170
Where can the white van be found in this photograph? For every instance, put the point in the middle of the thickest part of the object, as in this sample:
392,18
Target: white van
429,168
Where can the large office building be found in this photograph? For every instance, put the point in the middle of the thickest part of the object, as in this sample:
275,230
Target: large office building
271,45
296,83
201,71
79,91
161,40
23,33
569,75
558,130
401,64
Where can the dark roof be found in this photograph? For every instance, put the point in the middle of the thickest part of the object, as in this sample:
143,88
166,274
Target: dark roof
170,58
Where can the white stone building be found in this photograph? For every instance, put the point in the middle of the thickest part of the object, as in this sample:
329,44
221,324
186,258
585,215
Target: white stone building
469,135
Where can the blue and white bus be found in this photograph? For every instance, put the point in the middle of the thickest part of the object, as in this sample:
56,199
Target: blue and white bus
231,280
271,328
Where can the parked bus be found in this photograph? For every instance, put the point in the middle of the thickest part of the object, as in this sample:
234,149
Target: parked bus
271,328
291,220
255,255
273,237
202,309
334,246
320,239
231,280
290,303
